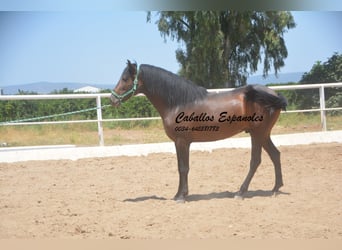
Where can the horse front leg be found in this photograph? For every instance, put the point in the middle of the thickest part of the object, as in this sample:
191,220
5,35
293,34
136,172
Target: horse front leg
182,149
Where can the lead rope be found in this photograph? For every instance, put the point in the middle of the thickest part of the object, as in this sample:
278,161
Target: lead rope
53,116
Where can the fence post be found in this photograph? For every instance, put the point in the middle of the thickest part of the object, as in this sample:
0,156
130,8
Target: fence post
322,107
99,120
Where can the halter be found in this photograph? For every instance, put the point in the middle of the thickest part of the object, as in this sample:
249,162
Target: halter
128,92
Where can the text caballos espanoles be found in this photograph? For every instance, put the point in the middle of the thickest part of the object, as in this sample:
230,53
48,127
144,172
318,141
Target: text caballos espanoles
223,117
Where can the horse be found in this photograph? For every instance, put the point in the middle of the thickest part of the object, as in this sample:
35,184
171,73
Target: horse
192,114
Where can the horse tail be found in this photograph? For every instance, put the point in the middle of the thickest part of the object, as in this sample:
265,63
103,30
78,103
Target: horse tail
265,96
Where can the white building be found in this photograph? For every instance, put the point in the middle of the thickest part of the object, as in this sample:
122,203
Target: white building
88,89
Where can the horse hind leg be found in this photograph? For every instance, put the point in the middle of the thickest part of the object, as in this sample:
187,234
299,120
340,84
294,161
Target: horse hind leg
254,163
274,154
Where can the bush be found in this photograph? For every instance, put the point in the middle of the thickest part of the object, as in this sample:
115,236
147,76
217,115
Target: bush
335,102
25,109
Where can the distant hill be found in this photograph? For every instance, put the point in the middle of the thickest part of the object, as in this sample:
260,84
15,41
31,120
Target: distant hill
48,87
282,78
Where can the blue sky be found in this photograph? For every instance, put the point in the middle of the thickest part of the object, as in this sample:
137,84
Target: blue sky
92,47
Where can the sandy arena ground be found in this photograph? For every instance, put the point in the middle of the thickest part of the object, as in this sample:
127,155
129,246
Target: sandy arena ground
131,197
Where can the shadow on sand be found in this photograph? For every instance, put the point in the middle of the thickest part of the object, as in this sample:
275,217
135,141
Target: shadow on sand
231,195
145,198
214,195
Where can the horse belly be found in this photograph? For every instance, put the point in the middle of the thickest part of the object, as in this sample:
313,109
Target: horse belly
211,120
214,131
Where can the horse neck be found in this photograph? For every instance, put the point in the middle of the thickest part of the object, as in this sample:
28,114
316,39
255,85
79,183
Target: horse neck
157,102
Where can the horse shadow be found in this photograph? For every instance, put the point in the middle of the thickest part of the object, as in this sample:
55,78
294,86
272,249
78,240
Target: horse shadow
145,198
231,195
214,195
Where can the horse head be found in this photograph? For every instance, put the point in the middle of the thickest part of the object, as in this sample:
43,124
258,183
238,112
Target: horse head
126,86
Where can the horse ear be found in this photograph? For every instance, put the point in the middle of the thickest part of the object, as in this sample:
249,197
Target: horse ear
132,67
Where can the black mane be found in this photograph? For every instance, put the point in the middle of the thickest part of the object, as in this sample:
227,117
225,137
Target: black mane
172,88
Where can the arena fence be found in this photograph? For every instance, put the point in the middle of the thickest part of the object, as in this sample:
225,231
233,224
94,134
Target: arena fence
34,121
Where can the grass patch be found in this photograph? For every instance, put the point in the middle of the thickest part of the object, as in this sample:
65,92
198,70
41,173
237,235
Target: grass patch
118,133
305,122
33,135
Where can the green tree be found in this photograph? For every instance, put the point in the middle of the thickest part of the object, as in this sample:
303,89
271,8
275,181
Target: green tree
326,72
221,48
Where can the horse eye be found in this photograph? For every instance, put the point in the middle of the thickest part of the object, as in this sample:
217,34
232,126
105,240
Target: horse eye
124,79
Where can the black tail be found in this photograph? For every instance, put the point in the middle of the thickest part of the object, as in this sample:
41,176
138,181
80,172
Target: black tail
260,94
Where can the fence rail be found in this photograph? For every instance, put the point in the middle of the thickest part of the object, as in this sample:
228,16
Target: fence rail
322,109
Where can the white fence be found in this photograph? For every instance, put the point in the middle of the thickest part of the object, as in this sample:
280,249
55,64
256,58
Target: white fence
322,109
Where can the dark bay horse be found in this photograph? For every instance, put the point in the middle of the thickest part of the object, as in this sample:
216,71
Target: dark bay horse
191,114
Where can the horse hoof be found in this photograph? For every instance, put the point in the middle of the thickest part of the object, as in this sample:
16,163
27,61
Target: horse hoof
276,193
238,197
180,201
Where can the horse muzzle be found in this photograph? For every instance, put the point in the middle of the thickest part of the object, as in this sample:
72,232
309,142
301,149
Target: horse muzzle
115,101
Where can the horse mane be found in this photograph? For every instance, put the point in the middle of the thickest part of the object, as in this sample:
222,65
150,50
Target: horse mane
175,90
